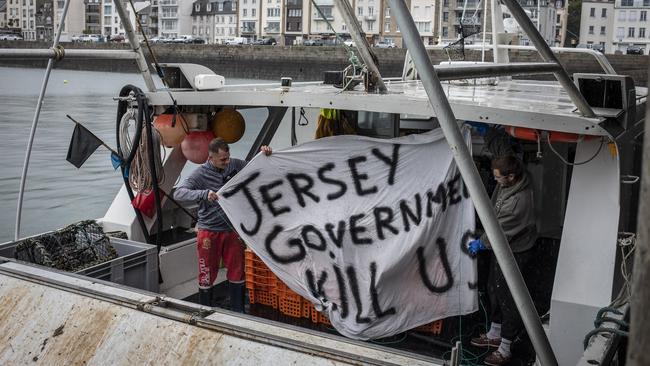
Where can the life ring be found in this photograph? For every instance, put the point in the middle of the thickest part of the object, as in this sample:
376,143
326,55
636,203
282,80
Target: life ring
532,134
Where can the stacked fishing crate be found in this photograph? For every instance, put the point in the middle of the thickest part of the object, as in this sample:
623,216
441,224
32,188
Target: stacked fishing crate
267,289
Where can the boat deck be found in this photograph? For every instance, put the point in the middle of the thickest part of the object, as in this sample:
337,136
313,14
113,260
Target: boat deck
524,103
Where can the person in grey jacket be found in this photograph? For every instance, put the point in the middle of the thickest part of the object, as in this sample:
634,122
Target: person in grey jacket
216,238
513,205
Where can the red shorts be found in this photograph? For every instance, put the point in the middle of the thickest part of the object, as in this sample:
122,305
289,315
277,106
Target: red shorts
212,246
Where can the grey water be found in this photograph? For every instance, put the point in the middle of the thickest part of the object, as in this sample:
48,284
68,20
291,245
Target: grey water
56,193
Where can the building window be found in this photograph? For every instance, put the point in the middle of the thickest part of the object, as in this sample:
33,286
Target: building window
591,29
245,13
233,6
359,10
371,26
371,10
622,15
197,7
630,32
603,13
445,32
641,32
386,26
646,2
592,12
633,15
602,30
620,32
627,2
220,6
643,15
208,7
387,13
253,11
445,3
445,16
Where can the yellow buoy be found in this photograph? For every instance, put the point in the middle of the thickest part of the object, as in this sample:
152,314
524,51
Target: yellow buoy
229,125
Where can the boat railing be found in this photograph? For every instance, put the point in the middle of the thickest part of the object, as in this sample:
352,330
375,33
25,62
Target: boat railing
453,71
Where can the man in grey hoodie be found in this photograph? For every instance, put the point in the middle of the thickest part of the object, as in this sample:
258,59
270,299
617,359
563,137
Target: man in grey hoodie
216,238
513,204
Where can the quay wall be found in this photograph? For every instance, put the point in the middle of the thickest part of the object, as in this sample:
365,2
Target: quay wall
300,62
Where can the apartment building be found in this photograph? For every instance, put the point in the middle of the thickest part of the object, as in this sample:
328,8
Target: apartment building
318,25
148,18
203,17
214,21
453,14
74,24
561,21
424,15
296,21
271,19
597,23
631,25
168,18
249,19
44,19
3,14
367,12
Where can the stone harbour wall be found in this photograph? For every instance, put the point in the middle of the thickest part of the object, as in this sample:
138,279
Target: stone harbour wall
300,62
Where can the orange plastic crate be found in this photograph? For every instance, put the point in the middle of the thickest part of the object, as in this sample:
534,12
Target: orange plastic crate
258,275
433,328
289,302
263,297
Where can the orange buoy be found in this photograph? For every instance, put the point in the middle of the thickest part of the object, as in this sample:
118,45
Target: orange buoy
532,134
229,125
195,146
172,134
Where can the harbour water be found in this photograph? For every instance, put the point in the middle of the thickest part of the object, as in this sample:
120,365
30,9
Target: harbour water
57,193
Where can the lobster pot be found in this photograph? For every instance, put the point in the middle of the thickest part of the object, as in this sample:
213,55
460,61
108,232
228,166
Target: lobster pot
71,249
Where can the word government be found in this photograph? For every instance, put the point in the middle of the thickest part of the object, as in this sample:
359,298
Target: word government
385,220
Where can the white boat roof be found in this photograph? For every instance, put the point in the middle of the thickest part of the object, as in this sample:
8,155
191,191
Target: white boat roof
524,103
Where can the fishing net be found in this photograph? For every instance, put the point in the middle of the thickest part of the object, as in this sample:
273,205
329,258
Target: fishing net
71,249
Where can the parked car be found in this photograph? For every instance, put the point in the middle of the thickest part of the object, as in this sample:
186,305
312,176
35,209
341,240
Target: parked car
385,44
76,38
349,43
10,37
185,39
117,38
237,41
90,38
266,41
313,42
635,50
598,47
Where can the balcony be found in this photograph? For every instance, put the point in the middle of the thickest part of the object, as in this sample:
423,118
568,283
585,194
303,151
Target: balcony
317,17
370,18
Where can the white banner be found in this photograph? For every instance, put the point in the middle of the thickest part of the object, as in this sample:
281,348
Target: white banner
372,231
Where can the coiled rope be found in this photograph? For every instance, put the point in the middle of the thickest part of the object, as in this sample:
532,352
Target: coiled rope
140,177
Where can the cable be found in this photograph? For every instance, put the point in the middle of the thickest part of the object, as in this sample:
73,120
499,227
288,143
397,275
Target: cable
548,141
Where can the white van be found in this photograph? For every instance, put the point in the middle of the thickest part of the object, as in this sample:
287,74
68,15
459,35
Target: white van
237,40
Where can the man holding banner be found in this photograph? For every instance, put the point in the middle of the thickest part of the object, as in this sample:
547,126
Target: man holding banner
216,239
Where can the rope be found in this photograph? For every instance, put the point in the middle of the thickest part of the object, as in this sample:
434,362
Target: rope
140,177
627,244
548,141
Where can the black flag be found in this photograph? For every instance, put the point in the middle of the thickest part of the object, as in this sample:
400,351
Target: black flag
82,145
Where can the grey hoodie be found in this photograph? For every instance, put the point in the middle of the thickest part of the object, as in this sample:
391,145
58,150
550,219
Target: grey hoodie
516,215
196,187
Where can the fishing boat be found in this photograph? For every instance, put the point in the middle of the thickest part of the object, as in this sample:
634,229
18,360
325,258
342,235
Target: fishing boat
580,138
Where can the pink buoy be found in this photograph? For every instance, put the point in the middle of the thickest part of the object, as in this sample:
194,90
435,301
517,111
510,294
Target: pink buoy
195,146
